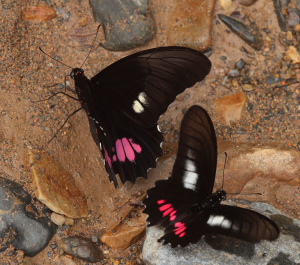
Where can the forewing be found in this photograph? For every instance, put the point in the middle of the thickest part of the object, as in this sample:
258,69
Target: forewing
144,84
195,165
241,223
127,148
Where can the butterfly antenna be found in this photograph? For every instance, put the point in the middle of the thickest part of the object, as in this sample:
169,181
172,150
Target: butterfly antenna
54,58
92,46
224,169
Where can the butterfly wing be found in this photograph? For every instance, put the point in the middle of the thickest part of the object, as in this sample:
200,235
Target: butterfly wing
241,223
128,149
168,204
195,165
144,84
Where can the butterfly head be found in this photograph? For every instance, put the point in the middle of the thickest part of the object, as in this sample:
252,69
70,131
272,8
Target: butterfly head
76,72
221,195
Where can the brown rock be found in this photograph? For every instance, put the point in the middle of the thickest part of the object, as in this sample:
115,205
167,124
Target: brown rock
58,219
226,4
230,108
293,54
38,13
246,2
82,248
55,187
190,24
269,170
126,233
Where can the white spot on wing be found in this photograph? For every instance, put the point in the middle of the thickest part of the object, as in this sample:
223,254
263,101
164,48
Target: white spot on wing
190,165
137,107
218,220
189,180
143,98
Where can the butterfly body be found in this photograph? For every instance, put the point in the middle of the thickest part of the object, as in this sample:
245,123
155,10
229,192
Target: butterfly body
184,204
125,100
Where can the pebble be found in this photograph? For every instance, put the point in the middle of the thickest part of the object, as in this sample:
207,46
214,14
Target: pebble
57,219
190,24
82,248
125,234
240,64
230,108
246,2
226,4
38,13
234,73
248,87
251,35
293,19
293,54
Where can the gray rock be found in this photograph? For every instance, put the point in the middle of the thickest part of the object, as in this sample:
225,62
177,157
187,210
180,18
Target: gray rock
18,226
82,248
127,23
212,250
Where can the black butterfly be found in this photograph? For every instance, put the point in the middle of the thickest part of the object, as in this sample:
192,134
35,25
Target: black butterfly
125,100
184,203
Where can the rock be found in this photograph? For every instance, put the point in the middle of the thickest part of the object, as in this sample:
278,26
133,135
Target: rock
248,87
262,175
250,35
19,226
127,23
280,16
125,234
190,24
58,219
293,54
234,73
55,187
240,64
38,13
246,2
226,4
230,108
225,250
293,18
82,248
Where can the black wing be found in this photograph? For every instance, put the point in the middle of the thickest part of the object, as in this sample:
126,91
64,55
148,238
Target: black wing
196,161
241,223
128,149
144,84
169,203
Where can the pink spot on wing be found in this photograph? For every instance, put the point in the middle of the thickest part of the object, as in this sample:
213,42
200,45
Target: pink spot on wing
173,213
182,234
165,207
135,146
181,227
107,158
120,151
128,149
167,212
161,201
179,224
114,158
172,218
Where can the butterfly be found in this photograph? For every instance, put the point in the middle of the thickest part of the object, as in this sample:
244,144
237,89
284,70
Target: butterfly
125,100
184,204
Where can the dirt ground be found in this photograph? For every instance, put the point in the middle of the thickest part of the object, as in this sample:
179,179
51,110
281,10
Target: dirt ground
270,117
